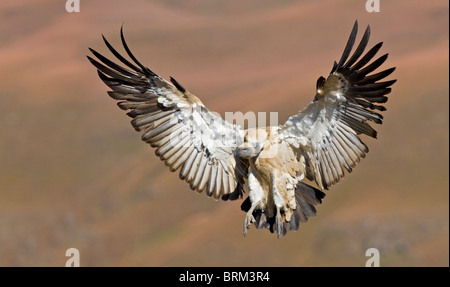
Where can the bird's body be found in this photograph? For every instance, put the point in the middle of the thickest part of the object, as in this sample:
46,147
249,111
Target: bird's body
320,143
273,174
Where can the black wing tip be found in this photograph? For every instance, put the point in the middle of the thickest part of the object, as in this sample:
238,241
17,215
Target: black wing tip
357,70
103,77
94,62
104,40
349,45
379,108
391,82
378,45
94,52
177,85
387,72
342,64
355,27
139,68
121,33
236,194
127,50
144,69
121,30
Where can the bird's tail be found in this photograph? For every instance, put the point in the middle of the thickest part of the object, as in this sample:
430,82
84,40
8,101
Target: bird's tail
306,197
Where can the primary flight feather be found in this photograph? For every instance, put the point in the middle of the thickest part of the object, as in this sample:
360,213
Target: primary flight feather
321,143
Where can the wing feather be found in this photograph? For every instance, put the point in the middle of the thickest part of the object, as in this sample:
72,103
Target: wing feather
201,169
334,160
218,189
225,182
205,177
176,157
193,171
188,164
182,159
326,132
186,135
212,180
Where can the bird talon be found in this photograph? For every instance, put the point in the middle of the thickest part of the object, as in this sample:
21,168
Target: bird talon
279,223
249,219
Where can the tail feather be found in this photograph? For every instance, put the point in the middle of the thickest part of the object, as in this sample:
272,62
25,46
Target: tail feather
306,197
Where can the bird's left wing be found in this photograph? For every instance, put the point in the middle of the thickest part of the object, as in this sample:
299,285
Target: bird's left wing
171,119
326,132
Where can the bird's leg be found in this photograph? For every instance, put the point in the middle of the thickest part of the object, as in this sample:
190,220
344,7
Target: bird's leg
279,222
249,218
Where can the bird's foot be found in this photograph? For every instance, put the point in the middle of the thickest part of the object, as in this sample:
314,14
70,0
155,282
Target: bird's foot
249,219
279,223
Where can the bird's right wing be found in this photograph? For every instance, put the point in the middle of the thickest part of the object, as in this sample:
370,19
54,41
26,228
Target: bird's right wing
327,131
186,134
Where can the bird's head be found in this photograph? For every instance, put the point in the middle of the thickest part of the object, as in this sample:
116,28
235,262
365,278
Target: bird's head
248,150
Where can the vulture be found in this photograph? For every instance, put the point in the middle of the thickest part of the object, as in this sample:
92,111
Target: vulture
283,169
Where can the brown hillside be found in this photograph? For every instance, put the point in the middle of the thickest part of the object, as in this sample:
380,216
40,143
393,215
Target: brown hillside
73,173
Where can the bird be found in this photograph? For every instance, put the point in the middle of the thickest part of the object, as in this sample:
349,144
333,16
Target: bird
284,169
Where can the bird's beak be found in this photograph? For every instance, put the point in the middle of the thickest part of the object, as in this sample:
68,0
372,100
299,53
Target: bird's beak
240,153
243,153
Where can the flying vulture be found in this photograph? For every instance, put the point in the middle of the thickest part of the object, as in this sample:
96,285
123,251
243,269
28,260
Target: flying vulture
321,143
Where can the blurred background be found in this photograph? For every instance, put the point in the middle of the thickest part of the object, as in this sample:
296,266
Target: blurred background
74,173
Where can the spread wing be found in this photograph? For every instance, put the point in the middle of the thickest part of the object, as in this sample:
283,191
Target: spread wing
186,135
327,131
